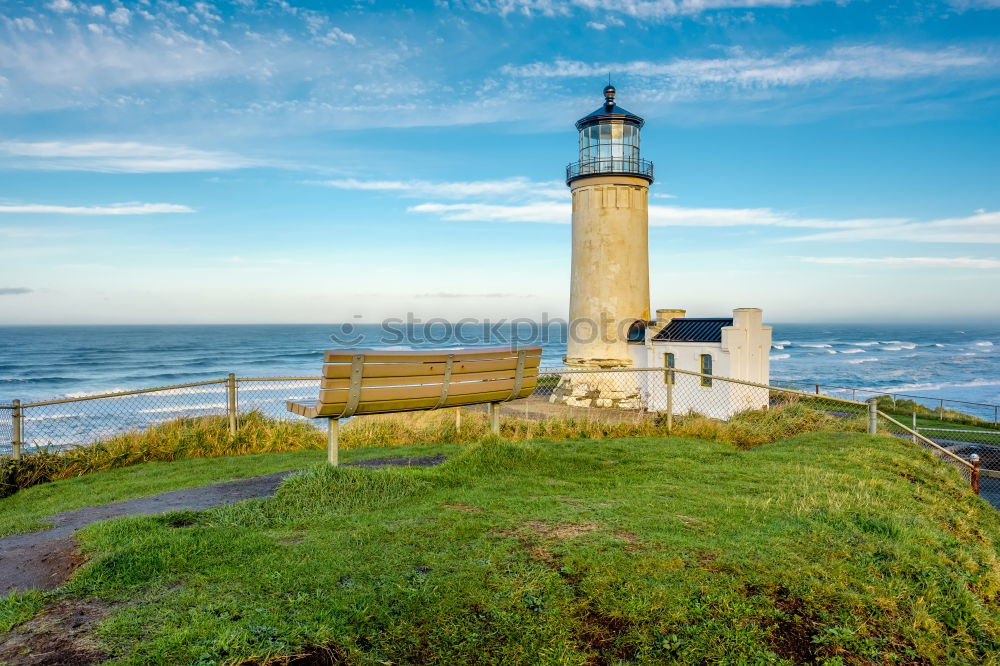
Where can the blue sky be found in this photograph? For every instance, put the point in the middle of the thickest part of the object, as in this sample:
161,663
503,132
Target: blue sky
273,161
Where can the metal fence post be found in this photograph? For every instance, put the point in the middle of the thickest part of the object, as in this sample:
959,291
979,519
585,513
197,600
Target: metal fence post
232,404
15,429
670,404
914,437
941,410
974,459
873,416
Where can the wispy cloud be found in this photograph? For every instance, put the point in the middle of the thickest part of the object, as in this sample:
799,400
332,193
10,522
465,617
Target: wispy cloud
118,157
921,262
518,187
131,208
981,227
14,291
449,294
644,9
793,67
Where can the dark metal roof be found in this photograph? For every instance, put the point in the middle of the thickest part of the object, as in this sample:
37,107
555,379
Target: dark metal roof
610,111
693,330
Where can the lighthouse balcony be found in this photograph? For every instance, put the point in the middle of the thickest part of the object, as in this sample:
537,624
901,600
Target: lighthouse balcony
612,166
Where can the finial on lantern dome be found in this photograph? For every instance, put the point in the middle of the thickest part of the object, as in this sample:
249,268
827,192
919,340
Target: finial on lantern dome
609,97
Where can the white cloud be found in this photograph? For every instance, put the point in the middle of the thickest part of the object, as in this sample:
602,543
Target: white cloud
336,35
121,16
519,188
61,6
981,227
130,208
118,157
596,26
549,212
790,68
644,9
922,262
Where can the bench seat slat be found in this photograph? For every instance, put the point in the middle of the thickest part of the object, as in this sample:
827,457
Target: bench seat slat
407,369
425,380
382,393
319,410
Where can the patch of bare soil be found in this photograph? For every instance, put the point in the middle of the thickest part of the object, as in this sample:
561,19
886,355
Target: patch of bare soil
464,508
792,634
560,531
60,636
325,655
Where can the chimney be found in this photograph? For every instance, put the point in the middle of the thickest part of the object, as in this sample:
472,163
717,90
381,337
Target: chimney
664,316
748,318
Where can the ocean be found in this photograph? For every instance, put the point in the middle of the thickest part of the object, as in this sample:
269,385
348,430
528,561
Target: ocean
46,362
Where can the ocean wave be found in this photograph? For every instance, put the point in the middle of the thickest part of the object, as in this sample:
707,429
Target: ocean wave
778,357
862,344
937,386
182,408
782,342
90,394
38,380
937,344
777,346
46,417
815,346
856,361
984,343
830,351
892,349
853,351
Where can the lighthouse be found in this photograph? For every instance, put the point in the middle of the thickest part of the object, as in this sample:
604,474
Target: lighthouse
609,284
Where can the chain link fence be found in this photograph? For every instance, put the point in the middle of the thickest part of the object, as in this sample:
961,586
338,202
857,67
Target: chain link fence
677,401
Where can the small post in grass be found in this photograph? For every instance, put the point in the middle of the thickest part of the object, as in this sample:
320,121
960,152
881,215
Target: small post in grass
458,419
495,417
15,430
873,416
332,441
670,404
914,437
974,459
231,408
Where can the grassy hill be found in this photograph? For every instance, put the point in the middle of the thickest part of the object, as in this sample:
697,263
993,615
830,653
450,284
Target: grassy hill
830,547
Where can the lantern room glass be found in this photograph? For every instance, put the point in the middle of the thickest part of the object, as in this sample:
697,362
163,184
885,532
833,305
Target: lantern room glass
611,146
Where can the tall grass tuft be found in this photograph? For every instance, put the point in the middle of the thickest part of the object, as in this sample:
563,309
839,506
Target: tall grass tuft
208,437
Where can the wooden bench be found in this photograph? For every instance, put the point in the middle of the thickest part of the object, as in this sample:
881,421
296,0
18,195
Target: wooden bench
374,381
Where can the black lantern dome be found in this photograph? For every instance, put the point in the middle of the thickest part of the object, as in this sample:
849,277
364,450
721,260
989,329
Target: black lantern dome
609,143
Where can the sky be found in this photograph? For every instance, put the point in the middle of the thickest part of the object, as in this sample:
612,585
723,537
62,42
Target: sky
271,161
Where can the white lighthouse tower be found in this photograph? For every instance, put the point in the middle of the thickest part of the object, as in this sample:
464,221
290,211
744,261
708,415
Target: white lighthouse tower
609,284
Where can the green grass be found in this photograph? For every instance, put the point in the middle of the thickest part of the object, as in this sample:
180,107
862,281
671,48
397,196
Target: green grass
838,547
26,510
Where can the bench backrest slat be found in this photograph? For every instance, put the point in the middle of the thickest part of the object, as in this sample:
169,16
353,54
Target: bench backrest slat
375,381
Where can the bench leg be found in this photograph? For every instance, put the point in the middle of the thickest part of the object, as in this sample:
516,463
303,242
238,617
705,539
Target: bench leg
332,441
458,419
495,417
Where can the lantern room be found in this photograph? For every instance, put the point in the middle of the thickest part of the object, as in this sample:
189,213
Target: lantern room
609,143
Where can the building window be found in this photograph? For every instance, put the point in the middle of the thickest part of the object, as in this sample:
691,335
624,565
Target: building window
706,369
668,362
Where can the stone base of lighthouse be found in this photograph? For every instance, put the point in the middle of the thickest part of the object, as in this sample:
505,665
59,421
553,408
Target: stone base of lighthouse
592,383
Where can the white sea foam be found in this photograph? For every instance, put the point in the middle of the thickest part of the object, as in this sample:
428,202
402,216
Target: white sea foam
778,357
935,386
831,351
89,394
892,349
183,408
937,344
853,351
870,359
46,417
862,344
984,343
777,346
815,346
781,342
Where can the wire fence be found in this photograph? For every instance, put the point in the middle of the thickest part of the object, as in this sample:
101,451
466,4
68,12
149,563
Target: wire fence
941,408
674,398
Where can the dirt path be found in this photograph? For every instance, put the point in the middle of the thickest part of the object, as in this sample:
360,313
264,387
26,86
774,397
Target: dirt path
47,559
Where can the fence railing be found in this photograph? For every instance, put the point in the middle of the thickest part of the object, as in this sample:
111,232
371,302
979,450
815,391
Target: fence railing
984,411
669,395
